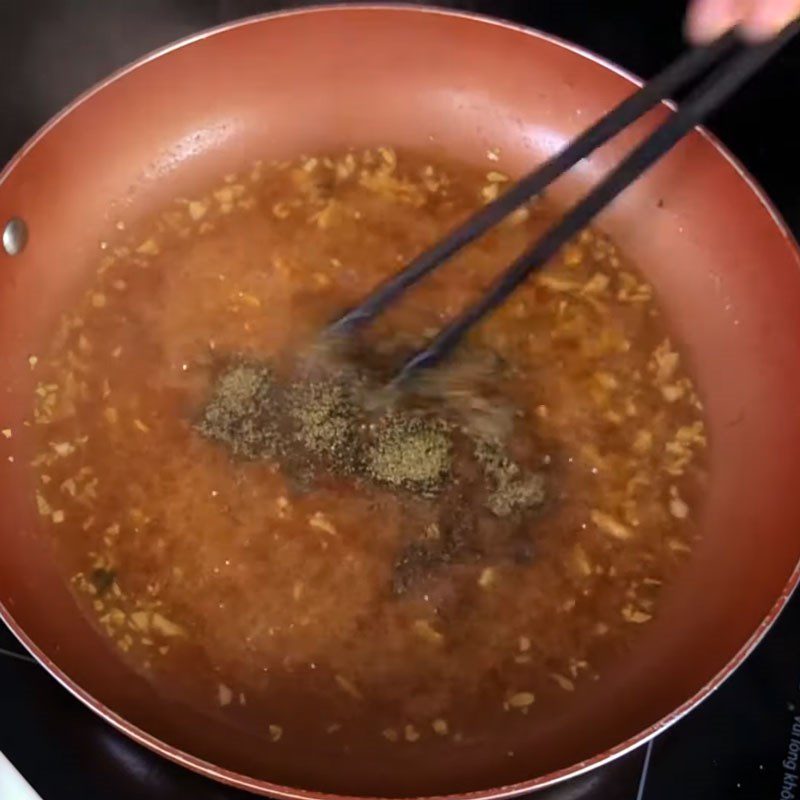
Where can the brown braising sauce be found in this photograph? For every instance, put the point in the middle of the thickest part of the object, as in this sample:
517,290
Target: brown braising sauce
242,525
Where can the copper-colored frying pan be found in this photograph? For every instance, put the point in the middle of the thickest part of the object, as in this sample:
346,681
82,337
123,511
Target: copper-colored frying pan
323,79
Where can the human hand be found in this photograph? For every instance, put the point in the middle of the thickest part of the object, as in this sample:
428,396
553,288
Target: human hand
759,19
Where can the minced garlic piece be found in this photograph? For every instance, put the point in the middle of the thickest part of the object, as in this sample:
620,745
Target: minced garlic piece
521,699
565,683
224,695
426,631
611,526
411,733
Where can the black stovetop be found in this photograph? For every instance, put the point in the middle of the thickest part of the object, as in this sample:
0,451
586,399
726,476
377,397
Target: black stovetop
738,743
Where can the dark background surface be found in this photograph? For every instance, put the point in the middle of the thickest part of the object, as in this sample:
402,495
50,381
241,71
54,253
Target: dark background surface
733,746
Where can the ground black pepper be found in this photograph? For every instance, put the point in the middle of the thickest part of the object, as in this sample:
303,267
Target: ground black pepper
325,422
410,452
102,579
242,411
510,487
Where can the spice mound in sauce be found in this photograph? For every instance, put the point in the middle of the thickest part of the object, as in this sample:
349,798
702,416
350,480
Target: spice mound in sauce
324,423
242,412
511,488
256,539
336,422
410,453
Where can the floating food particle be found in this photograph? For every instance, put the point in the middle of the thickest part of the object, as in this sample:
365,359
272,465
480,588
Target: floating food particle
148,248
580,560
389,156
426,631
275,733
348,687
521,699
673,392
98,300
497,177
606,380
519,215
116,617
558,284
321,523
664,362
225,196
487,577
607,524
197,210
440,727
677,546
58,517
163,626
281,210
250,300
42,505
643,442
224,695
565,683
597,284
490,192
634,615
677,506
141,619
411,733
390,734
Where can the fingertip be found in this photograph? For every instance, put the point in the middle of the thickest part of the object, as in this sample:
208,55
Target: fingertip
706,20
769,18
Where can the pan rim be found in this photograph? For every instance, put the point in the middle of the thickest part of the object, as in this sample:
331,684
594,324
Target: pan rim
264,787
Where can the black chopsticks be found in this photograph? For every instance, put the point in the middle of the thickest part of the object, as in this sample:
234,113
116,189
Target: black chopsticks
735,65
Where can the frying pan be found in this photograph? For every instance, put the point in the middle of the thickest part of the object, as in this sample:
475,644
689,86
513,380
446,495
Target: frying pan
321,79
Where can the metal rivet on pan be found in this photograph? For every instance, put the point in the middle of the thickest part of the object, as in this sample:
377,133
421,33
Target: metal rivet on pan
15,236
